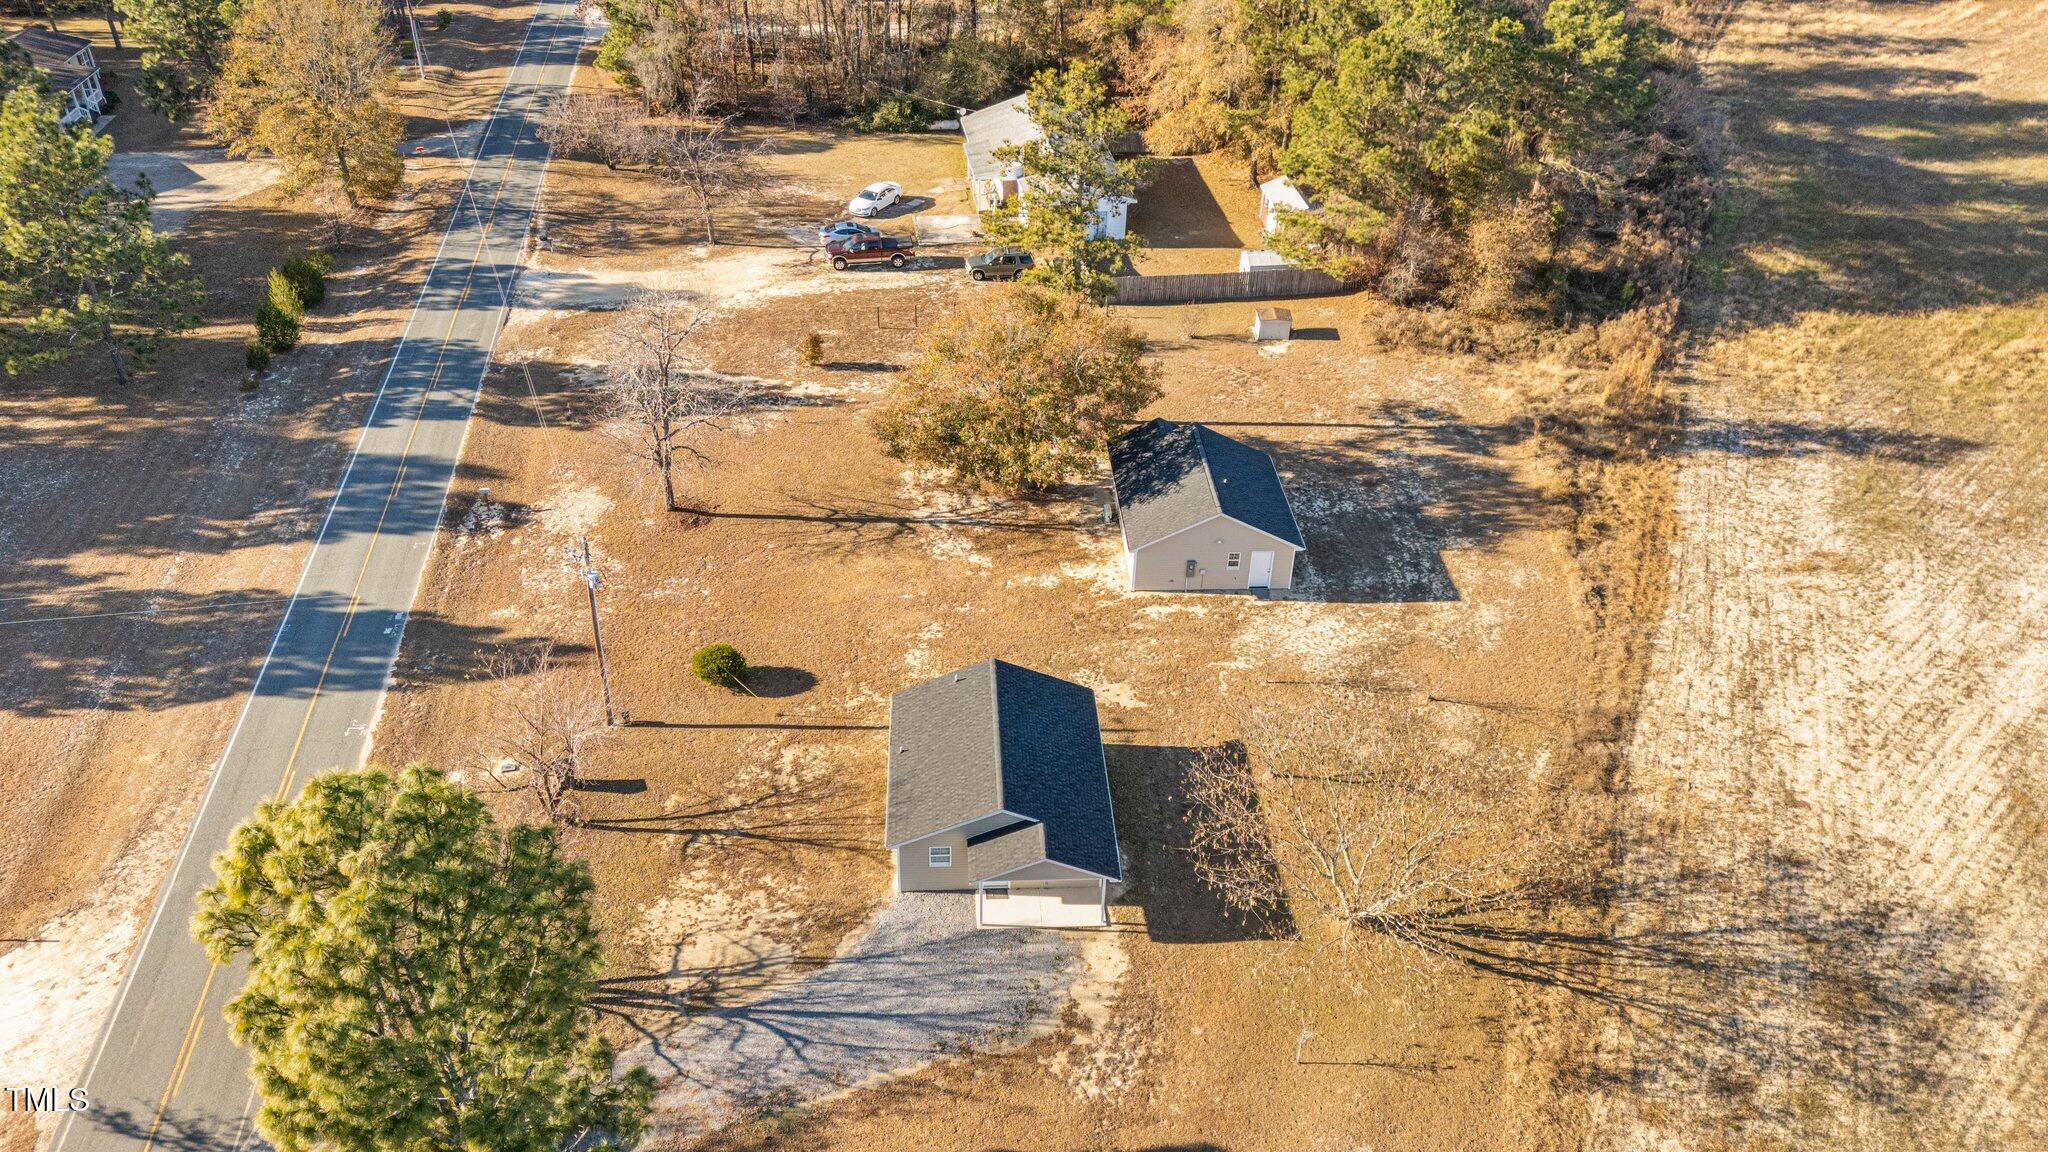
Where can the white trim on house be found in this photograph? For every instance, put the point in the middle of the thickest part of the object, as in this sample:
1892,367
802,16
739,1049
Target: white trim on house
1046,861
998,904
950,828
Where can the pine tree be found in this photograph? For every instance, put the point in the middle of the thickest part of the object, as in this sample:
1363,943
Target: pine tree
79,266
418,977
184,42
310,82
17,70
1070,177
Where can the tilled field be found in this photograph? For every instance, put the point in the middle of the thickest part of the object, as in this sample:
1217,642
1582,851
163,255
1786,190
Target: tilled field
1831,908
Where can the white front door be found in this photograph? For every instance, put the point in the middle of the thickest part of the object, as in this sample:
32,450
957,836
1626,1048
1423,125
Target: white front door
1262,570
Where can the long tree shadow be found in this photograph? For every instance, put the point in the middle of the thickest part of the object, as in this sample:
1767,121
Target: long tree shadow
175,1128
145,649
920,982
1752,983
774,818
1380,500
1892,182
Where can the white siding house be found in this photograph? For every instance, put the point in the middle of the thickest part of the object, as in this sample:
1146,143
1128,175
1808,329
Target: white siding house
68,61
993,182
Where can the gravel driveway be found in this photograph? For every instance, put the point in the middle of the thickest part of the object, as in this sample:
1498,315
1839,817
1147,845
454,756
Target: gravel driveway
920,982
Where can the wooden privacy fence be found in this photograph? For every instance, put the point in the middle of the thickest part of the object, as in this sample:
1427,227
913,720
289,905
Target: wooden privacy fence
1261,284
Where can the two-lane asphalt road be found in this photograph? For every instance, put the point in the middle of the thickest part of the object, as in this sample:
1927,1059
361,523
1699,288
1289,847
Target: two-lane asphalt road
166,1073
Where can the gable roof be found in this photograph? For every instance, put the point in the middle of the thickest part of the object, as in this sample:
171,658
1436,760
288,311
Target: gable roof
1280,191
51,51
994,737
990,128
1171,475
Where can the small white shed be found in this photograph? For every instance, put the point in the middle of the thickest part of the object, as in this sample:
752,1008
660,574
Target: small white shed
1260,259
1276,194
1272,324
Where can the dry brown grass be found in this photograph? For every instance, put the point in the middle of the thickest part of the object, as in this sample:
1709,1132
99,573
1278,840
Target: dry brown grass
185,506
741,840
1843,715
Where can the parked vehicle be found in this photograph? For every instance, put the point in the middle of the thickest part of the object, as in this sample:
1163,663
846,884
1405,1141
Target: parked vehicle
895,250
837,244
874,198
844,230
999,264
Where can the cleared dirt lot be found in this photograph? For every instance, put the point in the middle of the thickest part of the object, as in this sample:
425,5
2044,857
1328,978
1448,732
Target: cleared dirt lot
736,838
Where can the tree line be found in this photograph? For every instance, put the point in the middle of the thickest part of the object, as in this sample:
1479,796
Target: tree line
901,63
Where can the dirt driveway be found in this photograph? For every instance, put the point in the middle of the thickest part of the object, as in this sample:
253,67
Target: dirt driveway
186,181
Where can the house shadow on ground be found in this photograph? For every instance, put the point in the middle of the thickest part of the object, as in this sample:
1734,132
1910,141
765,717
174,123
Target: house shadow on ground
1149,785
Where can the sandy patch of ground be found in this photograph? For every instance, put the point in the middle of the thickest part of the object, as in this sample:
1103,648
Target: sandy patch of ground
185,182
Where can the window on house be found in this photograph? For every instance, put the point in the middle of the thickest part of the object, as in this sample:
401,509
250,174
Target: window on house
1233,559
940,857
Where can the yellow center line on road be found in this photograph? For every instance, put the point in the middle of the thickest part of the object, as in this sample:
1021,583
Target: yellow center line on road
185,1047
190,1043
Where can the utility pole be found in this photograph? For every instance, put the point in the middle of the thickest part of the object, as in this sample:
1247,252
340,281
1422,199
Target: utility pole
604,674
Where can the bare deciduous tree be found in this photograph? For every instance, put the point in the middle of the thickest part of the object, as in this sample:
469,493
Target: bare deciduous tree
1367,815
656,390
544,715
700,156
611,129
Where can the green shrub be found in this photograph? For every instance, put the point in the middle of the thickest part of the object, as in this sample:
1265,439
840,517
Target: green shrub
895,114
812,349
442,19
277,318
283,295
255,356
721,665
307,272
276,329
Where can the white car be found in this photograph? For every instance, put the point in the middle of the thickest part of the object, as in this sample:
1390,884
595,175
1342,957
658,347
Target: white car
874,198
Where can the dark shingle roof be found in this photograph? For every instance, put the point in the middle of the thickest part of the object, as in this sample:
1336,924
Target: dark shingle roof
49,49
1171,476
995,737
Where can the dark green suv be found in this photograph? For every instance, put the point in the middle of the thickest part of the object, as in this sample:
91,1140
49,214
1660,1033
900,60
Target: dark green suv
999,264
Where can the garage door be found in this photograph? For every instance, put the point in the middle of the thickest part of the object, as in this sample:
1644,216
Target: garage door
1056,906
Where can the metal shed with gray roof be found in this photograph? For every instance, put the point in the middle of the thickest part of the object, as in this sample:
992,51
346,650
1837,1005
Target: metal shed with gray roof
998,785
1201,512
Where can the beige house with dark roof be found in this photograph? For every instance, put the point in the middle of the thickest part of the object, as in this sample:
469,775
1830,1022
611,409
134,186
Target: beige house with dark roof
998,786
1201,512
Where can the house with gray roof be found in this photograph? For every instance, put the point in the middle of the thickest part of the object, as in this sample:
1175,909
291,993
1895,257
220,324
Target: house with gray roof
998,786
995,182
1201,512
68,61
